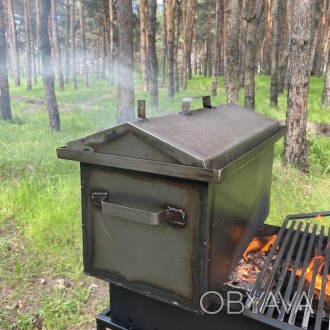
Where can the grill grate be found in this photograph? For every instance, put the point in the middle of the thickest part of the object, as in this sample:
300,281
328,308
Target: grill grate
290,291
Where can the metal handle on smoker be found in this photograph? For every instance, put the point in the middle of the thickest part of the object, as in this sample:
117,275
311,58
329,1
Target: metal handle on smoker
170,214
185,106
128,213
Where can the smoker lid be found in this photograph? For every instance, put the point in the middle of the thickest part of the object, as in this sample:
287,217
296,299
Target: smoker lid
208,138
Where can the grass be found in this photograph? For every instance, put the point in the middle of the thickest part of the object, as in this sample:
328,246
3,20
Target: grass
40,226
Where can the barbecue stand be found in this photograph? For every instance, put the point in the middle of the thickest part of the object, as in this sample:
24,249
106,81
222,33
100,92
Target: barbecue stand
133,311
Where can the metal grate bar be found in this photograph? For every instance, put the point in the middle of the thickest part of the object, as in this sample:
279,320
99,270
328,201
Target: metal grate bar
278,259
293,315
289,287
285,267
303,216
280,274
266,264
319,314
311,288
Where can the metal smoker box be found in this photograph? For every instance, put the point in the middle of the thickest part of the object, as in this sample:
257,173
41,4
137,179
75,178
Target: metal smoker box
169,204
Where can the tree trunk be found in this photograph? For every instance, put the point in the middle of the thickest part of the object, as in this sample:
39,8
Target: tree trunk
315,32
265,62
223,38
325,41
104,49
67,41
254,10
220,59
38,59
73,45
320,54
284,69
188,24
5,109
216,48
282,14
83,41
170,45
195,53
242,46
47,66
27,45
275,53
190,50
152,10
232,74
97,57
111,48
106,39
295,147
164,45
181,10
144,44
125,108
13,43
209,37
33,32
326,89
57,47
177,14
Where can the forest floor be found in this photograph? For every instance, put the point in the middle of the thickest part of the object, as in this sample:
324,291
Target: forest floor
35,298
315,128
42,285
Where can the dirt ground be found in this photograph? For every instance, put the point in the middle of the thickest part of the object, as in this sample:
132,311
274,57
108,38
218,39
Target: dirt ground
22,290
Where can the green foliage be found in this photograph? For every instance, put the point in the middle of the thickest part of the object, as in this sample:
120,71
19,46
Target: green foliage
319,150
294,192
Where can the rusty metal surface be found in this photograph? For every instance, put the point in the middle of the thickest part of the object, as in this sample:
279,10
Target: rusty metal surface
165,261
169,169
140,165
215,137
141,109
239,206
172,263
209,138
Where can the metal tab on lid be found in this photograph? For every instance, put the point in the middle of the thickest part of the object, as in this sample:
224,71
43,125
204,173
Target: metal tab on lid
141,109
185,106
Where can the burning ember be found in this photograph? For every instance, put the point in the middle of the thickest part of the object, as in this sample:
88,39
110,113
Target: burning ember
258,244
254,258
283,279
248,268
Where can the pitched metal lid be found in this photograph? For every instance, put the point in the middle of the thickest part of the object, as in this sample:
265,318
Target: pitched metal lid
209,138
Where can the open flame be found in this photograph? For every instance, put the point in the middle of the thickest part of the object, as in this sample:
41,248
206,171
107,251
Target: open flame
262,244
319,277
319,217
249,267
